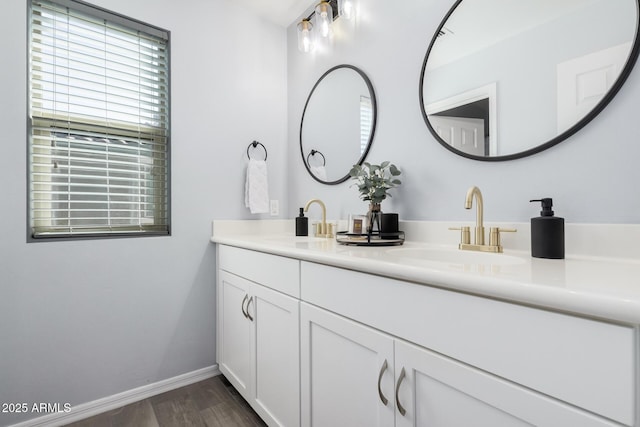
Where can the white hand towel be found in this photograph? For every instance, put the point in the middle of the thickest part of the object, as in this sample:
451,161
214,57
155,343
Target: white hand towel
319,172
256,188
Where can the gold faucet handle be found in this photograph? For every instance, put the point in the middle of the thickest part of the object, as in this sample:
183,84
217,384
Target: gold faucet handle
324,229
494,234
465,234
330,230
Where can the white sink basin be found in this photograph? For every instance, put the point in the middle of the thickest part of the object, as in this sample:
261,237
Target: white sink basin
290,238
304,242
455,256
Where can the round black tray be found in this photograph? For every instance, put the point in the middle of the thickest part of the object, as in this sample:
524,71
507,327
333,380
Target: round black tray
373,239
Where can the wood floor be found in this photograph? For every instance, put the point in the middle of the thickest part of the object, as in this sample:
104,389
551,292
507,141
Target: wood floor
209,403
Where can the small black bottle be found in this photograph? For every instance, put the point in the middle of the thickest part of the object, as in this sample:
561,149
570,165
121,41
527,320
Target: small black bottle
302,224
547,233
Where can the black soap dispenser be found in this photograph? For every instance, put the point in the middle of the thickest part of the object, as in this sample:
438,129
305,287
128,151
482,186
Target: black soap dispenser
547,233
302,224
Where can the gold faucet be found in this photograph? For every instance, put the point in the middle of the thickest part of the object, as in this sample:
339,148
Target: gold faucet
323,229
478,240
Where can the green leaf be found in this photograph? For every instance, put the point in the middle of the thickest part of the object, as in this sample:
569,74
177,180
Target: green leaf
373,181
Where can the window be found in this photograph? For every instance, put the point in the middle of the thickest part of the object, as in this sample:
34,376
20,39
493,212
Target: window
366,122
98,123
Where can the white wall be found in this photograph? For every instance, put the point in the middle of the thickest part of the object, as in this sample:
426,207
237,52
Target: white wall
591,176
87,319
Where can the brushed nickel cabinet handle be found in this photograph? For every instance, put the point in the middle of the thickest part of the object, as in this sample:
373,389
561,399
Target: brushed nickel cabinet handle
244,313
384,367
249,314
400,407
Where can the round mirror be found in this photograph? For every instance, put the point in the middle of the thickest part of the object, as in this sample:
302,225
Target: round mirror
338,123
504,79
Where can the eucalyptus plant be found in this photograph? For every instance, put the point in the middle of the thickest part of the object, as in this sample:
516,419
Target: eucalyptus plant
374,181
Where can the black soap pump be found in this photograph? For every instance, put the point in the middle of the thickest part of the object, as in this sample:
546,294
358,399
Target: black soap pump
302,224
547,233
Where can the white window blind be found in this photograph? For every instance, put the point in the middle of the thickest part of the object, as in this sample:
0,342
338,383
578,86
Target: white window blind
366,122
99,123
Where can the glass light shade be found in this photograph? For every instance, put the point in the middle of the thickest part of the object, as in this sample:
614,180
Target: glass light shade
323,18
346,8
305,41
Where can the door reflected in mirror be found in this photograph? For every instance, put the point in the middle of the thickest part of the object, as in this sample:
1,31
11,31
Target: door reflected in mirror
338,124
504,79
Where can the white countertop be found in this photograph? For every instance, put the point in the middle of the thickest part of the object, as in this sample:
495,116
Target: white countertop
600,287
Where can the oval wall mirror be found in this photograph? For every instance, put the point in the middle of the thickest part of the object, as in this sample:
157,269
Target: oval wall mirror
505,79
338,124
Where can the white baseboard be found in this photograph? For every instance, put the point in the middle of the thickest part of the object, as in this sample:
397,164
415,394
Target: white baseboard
89,409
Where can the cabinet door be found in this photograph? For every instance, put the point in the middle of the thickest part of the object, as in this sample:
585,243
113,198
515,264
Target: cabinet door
346,372
436,391
276,362
234,331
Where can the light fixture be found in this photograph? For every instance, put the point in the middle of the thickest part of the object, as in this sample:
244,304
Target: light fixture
305,41
314,31
323,19
346,8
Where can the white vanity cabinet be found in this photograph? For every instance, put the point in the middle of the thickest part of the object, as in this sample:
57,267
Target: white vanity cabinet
436,391
354,375
346,372
467,360
234,331
318,345
258,331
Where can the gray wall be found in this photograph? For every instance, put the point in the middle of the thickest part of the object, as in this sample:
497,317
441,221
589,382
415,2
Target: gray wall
591,176
87,319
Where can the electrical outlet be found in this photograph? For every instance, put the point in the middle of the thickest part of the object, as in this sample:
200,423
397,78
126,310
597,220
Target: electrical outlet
274,208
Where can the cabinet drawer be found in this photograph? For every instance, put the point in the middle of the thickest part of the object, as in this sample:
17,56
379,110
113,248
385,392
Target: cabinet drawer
587,363
276,272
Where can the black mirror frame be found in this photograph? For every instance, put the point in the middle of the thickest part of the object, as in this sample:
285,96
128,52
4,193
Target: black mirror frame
374,117
628,67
